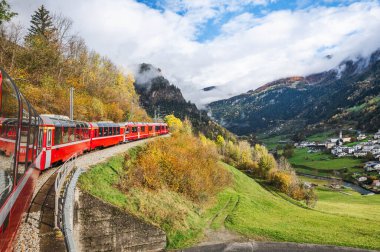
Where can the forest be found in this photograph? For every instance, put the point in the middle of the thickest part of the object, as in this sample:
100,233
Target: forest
47,58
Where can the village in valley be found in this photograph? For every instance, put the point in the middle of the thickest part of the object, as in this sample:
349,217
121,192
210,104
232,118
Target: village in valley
362,147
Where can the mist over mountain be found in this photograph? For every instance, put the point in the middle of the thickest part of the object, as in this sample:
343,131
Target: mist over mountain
346,96
160,98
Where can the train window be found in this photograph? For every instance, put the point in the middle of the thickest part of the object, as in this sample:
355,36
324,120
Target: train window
100,131
77,132
105,131
127,130
58,135
117,130
34,136
150,128
31,138
157,128
72,134
65,135
84,133
40,137
134,129
24,134
48,142
142,128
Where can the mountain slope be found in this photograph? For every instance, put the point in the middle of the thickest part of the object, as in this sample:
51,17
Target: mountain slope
161,98
344,97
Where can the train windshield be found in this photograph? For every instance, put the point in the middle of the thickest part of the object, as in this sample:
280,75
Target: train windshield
9,123
19,124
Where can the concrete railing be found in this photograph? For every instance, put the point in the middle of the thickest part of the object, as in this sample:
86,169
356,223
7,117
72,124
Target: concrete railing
60,181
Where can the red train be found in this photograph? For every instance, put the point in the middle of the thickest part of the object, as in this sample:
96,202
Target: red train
30,143
60,137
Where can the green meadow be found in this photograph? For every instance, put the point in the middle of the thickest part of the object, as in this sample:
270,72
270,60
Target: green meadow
245,208
346,202
322,164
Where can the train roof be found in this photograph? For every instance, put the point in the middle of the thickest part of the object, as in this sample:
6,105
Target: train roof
145,123
62,121
106,124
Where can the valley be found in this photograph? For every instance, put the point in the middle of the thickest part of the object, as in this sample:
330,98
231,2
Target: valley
307,159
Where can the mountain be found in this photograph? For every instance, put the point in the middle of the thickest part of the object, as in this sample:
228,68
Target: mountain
160,98
347,96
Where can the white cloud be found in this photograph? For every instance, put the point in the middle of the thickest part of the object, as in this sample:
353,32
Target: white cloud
249,52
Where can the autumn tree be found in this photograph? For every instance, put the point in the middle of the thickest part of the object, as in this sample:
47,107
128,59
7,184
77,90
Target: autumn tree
220,142
174,123
288,151
5,12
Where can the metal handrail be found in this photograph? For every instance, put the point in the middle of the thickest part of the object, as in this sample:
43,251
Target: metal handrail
62,174
5,190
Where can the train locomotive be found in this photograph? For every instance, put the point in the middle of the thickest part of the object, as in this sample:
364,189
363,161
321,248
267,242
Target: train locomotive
30,143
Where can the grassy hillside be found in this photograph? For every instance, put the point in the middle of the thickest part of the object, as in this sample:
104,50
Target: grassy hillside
246,208
262,215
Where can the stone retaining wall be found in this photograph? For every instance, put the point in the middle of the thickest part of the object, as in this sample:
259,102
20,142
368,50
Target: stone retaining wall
99,226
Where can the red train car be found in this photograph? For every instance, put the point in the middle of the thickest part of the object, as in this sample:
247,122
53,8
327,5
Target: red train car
132,131
60,138
105,134
18,153
137,130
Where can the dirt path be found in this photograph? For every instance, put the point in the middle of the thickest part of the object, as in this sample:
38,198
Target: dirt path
216,232
271,247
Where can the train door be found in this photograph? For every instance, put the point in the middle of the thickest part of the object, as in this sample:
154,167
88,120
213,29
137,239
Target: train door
48,147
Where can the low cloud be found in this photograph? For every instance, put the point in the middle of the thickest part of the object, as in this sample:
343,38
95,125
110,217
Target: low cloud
249,51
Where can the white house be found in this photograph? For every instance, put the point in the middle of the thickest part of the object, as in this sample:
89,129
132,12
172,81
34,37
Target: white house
361,137
377,135
376,183
346,139
372,166
360,154
376,150
362,179
367,148
330,145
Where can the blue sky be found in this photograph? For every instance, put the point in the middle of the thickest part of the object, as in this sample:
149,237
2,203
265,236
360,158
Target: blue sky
211,28
236,45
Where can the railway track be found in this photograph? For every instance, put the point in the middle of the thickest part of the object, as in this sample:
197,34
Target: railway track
37,229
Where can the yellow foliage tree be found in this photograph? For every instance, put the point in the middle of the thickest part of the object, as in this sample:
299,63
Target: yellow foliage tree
175,124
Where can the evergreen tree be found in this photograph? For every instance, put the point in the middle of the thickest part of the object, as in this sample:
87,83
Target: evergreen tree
42,23
5,13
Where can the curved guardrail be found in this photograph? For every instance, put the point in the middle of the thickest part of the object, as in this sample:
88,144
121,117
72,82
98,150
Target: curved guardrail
68,211
60,181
